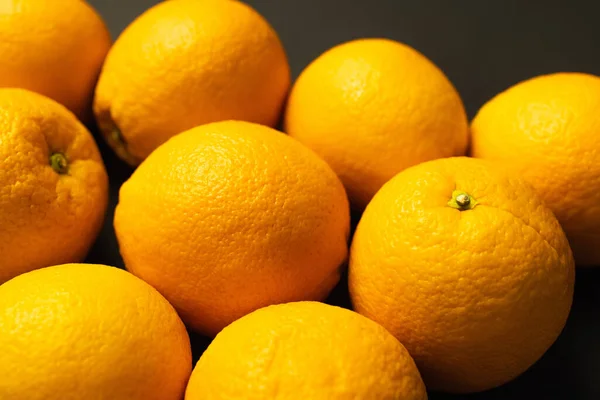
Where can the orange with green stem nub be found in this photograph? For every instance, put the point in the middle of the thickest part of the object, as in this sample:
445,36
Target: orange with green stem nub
160,80
476,282
52,184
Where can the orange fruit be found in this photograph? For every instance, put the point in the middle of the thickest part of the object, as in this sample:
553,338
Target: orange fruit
81,331
185,63
373,107
53,48
546,129
230,217
53,185
305,350
467,268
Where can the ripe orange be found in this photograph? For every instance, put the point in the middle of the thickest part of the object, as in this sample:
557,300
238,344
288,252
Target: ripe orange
185,63
80,331
55,48
467,268
305,350
230,217
53,185
547,130
372,108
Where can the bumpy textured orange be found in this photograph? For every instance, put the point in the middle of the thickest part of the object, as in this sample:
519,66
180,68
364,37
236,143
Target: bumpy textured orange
53,185
547,129
184,63
305,350
93,332
372,108
55,48
467,268
230,217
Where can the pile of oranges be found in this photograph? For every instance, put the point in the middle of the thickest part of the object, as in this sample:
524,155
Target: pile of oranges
461,270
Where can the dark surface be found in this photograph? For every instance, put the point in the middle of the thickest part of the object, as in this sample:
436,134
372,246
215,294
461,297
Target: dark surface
483,47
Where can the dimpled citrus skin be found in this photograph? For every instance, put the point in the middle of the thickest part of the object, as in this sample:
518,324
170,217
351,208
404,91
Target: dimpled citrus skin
230,217
55,48
476,296
547,130
184,63
305,350
81,331
46,218
372,108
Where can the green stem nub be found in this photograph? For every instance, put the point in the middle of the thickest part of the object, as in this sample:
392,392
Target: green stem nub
462,201
59,163
115,139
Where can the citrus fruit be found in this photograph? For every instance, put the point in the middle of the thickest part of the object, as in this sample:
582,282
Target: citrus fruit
467,268
373,107
546,129
230,217
185,63
53,185
81,331
55,48
305,350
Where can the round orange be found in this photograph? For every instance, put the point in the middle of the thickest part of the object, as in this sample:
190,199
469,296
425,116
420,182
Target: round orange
91,332
53,185
185,63
230,217
53,48
546,130
467,268
373,107
305,350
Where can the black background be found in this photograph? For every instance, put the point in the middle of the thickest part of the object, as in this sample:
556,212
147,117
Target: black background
484,47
